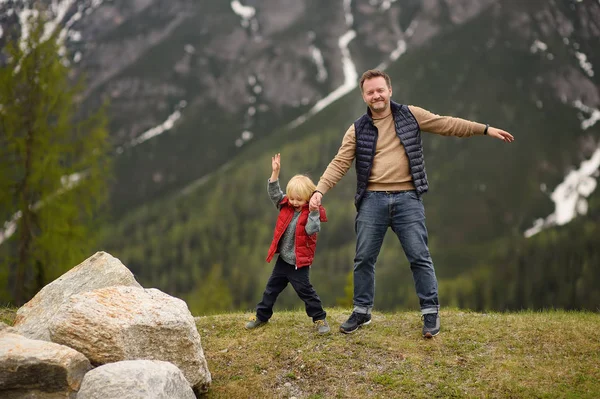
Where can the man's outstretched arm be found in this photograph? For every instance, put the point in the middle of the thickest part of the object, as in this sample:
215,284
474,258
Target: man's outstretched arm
336,169
451,126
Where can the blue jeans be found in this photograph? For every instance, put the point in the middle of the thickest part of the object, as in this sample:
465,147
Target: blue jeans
402,211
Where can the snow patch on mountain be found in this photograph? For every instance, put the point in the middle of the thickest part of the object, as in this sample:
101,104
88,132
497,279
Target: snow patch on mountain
594,114
350,73
349,17
56,12
247,14
569,197
163,127
538,45
245,136
584,63
317,57
394,55
350,81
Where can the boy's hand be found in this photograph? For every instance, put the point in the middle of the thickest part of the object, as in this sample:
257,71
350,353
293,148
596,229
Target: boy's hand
276,163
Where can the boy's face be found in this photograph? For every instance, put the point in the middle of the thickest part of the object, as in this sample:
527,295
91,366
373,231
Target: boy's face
296,201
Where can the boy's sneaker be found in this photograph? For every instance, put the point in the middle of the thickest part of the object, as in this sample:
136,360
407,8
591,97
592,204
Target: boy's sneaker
254,323
322,326
431,325
354,321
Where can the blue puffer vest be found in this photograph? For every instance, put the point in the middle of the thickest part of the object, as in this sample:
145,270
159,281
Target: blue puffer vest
409,134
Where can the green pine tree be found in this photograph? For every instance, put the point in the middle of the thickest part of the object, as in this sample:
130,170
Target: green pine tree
54,167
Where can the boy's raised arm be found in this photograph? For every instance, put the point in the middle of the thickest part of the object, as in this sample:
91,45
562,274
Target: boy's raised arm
273,187
276,166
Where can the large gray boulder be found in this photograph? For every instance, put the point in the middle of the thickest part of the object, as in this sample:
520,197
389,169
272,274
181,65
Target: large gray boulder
128,323
136,379
39,369
98,271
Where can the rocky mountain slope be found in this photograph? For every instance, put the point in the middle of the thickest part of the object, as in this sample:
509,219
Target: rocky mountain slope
203,92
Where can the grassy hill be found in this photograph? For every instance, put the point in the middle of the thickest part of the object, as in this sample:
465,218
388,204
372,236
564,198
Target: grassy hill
550,354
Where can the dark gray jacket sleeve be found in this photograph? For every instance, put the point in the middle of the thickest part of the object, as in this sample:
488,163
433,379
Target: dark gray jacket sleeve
313,225
275,192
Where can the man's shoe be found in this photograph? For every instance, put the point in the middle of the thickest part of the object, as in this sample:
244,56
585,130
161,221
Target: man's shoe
322,326
254,323
431,325
354,321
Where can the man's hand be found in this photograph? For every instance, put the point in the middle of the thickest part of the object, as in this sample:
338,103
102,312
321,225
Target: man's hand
315,201
500,134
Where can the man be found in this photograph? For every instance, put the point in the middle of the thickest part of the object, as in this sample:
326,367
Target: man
386,143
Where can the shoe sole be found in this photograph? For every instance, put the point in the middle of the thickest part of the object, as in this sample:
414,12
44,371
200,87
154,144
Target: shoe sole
357,327
429,335
255,327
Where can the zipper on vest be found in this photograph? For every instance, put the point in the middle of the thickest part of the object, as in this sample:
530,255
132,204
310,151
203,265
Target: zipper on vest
372,155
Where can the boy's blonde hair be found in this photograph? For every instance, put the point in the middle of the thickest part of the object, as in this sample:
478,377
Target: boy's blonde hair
301,186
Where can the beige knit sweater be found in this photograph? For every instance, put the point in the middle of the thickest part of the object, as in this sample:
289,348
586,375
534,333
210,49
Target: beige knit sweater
390,171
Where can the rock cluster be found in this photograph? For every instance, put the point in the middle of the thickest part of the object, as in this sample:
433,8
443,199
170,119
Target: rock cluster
95,332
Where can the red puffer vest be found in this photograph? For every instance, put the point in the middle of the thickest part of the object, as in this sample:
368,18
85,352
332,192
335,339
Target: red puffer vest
305,244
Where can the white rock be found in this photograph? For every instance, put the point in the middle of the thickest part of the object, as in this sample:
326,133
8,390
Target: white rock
98,271
32,368
136,379
128,323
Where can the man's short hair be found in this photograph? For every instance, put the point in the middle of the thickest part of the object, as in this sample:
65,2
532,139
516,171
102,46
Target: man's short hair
373,73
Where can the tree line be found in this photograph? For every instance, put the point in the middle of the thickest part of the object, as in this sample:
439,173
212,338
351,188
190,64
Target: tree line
54,164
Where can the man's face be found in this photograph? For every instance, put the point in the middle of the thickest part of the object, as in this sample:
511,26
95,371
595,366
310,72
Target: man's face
376,94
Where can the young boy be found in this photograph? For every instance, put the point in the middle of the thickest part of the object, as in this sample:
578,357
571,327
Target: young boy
295,239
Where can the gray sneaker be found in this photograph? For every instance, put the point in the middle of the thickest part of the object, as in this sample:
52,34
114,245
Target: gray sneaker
322,326
431,325
255,323
354,322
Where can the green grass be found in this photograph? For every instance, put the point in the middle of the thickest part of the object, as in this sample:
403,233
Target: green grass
551,354
7,315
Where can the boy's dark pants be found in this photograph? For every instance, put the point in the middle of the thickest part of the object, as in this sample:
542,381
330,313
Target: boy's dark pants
283,273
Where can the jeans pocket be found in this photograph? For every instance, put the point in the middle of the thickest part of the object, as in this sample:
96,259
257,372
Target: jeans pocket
414,195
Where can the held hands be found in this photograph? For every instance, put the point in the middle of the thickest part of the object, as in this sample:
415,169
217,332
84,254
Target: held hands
500,134
315,201
276,166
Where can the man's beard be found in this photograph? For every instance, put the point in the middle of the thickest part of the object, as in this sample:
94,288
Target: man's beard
378,106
